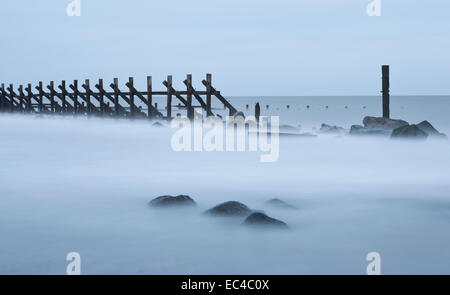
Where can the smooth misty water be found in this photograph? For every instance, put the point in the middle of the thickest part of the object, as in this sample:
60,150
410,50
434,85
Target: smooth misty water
83,185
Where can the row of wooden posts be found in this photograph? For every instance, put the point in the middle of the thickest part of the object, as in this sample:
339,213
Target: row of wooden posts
101,102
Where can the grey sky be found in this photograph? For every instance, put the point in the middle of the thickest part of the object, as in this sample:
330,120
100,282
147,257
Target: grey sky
285,47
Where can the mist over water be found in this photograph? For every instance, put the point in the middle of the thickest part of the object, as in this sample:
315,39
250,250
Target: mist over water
76,184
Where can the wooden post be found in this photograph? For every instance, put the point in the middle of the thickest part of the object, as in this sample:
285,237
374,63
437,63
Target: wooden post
21,98
29,98
101,97
52,96
257,112
385,91
63,96
75,96
11,94
208,92
41,97
116,96
169,96
88,97
2,98
149,96
190,113
131,82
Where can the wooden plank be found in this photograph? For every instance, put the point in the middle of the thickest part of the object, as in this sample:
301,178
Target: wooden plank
190,111
116,95
199,99
88,96
118,109
174,92
131,87
2,98
169,96
52,97
41,97
149,96
385,91
221,98
21,98
101,97
63,96
208,93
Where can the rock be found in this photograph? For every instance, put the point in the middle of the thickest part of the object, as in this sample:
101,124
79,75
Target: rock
261,220
361,130
279,203
239,114
289,129
410,132
231,208
171,201
325,128
425,126
157,124
383,123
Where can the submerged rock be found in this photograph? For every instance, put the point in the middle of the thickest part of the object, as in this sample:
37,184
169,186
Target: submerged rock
261,220
410,132
325,128
279,203
426,126
383,123
171,201
231,208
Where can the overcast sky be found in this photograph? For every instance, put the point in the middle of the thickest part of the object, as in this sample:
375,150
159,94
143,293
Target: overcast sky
282,47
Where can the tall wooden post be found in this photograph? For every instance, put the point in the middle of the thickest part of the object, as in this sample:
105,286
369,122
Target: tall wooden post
52,96
169,96
88,96
131,82
41,97
208,93
63,96
190,113
21,98
29,98
75,96
11,94
385,91
149,96
101,97
257,112
2,98
116,96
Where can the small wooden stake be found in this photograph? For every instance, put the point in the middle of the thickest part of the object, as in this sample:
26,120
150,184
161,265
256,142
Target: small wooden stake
385,91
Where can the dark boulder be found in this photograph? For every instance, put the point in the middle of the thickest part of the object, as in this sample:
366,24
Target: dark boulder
383,123
171,201
231,208
289,129
261,220
325,128
426,126
280,204
409,132
157,124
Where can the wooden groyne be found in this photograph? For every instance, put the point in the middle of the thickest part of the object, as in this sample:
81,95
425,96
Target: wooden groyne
100,99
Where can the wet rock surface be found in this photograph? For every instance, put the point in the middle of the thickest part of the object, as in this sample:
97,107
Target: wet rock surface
409,132
261,220
383,123
426,127
229,209
172,201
